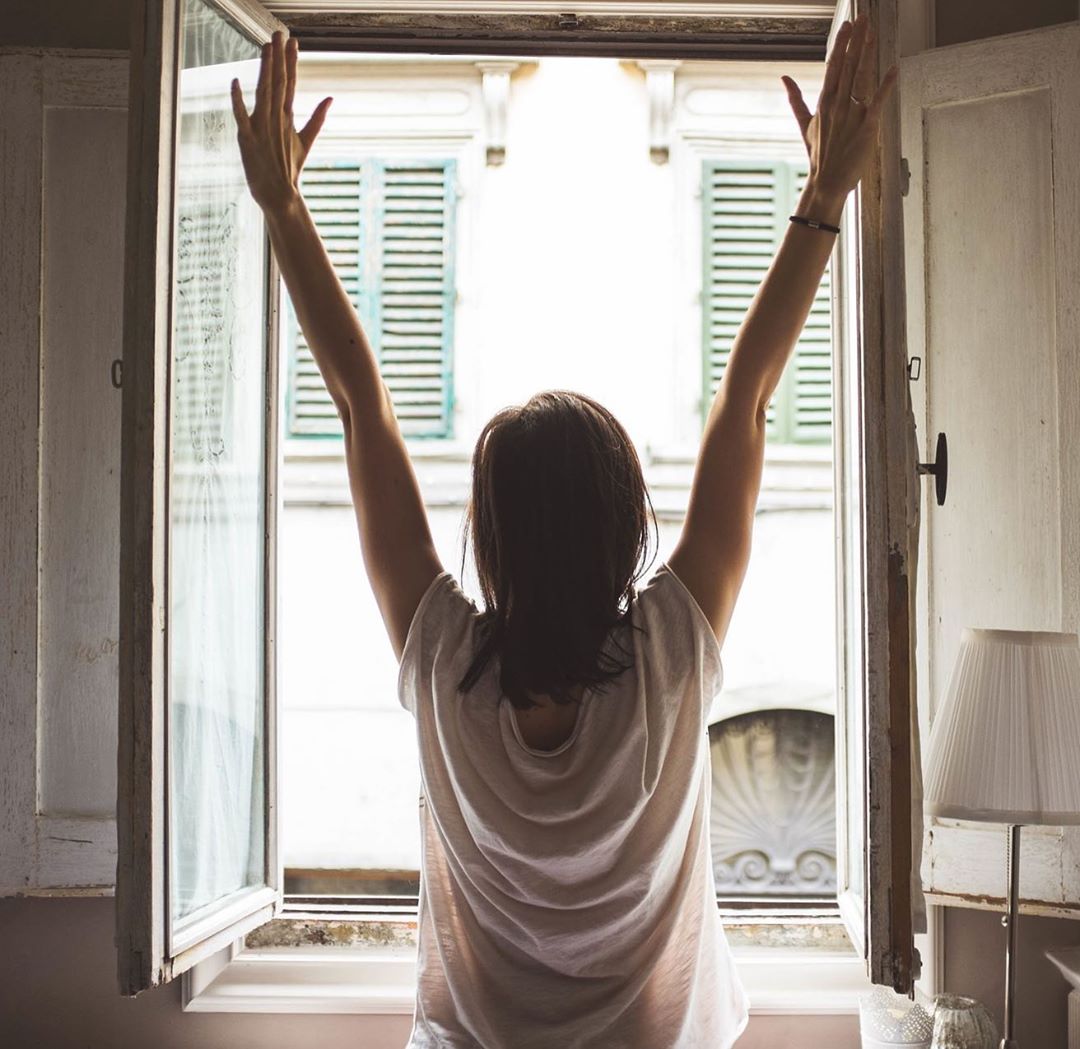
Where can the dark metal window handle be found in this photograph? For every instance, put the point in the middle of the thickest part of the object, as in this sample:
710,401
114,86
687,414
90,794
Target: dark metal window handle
939,468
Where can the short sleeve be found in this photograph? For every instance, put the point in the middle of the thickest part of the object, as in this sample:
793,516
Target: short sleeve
681,642
440,632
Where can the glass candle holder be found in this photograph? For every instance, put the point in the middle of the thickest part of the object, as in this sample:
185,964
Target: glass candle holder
890,1021
962,1023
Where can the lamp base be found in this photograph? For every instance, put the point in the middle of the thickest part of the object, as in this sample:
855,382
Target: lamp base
1012,924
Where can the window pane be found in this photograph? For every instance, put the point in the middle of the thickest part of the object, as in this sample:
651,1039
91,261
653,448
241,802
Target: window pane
850,521
216,493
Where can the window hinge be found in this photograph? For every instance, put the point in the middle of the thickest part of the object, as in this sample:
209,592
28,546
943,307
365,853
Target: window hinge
905,177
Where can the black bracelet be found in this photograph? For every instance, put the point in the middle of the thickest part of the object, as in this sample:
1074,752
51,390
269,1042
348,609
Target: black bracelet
814,224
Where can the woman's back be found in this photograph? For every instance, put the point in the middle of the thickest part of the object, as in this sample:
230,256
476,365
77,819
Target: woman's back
567,895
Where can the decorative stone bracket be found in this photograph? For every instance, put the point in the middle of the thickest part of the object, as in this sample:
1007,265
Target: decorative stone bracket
496,91
660,85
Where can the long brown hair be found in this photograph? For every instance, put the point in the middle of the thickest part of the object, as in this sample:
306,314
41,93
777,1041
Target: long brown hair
559,523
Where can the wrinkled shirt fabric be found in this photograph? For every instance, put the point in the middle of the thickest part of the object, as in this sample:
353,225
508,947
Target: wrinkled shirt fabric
567,897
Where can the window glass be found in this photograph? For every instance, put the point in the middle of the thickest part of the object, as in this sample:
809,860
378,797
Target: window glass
216,704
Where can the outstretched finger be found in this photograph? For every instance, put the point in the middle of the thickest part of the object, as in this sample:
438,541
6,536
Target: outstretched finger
243,121
290,73
865,79
262,88
853,58
798,106
835,62
277,82
314,125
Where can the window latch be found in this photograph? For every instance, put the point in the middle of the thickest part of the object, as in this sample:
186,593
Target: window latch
568,20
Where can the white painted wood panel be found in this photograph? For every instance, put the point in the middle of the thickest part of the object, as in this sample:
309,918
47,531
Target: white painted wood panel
993,147
62,190
990,377
84,160
20,264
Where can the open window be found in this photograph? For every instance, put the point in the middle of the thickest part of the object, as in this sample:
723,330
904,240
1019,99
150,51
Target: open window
874,478
197,862
203,384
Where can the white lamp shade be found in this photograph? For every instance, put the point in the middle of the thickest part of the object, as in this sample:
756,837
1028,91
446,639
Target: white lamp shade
1005,746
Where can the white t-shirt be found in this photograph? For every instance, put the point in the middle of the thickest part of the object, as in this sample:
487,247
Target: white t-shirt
567,898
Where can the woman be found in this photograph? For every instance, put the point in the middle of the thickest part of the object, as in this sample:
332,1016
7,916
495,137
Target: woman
567,894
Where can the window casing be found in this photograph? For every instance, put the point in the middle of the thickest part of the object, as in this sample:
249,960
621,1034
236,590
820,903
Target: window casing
882,690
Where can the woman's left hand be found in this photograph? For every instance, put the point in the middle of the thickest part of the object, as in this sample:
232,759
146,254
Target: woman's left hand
272,150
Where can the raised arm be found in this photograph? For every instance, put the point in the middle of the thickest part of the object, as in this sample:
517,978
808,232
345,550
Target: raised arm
714,548
395,538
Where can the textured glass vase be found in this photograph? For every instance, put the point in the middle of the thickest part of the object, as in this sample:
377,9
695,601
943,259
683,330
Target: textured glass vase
889,1021
962,1023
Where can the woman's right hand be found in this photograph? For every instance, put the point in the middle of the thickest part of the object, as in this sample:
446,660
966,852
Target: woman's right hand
272,150
842,134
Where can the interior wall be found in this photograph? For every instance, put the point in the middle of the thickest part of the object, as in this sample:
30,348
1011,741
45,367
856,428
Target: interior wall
101,25
57,985
956,21
975,966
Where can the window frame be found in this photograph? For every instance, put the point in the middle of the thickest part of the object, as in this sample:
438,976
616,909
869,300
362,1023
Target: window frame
887,694
320,968
150,951
876,438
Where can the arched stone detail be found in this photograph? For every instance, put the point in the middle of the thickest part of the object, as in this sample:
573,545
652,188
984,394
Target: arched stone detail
773,805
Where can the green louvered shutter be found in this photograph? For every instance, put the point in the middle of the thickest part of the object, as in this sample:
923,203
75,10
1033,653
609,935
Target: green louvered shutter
389,230
416,304
739,242
335,197
812,394
746,209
